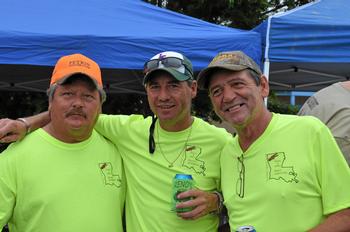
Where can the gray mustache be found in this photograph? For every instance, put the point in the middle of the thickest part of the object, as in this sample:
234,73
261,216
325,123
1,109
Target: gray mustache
76,112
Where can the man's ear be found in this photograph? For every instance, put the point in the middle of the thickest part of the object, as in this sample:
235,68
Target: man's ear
49,108
194,89
264,85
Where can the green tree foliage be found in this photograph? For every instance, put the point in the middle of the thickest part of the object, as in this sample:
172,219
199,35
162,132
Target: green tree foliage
275,105
20,104
127,104
243,14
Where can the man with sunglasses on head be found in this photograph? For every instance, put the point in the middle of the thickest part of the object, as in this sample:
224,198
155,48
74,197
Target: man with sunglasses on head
282,173
155,149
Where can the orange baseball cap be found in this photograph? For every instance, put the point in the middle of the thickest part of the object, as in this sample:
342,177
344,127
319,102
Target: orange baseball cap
69,65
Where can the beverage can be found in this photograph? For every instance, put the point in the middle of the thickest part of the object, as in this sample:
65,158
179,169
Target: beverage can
246,229
181,183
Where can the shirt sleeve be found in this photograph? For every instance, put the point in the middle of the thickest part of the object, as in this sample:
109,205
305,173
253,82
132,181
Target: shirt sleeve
113,127
339,123
7,189
332,171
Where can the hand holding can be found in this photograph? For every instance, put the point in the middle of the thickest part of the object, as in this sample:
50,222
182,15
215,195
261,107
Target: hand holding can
181,183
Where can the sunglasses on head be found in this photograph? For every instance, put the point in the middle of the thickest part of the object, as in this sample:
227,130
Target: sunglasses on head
169,62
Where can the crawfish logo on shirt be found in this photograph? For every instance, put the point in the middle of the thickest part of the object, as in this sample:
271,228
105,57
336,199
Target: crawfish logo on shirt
108,176
279,169
192,160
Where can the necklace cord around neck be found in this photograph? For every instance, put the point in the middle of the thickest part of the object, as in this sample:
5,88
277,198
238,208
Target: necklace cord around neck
171,163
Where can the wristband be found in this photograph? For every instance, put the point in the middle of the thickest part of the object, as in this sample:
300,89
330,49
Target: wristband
220,202
26,123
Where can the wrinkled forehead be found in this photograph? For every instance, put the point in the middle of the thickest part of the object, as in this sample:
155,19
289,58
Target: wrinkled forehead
223,76
164,55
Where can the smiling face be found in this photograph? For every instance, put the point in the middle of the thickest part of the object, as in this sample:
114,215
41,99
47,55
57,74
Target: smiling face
171,99
74,109
236,97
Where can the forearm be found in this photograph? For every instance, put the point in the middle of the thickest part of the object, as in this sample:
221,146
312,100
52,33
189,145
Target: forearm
13,130
337,222
38,121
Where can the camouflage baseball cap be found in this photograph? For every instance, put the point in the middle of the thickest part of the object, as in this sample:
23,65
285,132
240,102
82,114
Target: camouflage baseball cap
231,60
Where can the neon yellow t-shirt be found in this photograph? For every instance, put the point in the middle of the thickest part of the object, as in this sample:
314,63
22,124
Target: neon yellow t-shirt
294,175
194,151
47,185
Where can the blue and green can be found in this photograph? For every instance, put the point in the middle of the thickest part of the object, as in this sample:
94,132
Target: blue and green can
246,229
181,183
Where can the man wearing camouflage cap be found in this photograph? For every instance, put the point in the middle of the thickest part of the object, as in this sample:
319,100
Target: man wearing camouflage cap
282,172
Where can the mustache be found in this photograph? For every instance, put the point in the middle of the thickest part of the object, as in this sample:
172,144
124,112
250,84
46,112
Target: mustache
76,112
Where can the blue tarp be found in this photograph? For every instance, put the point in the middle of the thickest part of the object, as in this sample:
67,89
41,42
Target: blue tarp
314,38
118,34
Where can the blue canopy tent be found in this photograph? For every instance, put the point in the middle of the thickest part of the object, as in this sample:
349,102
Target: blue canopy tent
119,34
307,48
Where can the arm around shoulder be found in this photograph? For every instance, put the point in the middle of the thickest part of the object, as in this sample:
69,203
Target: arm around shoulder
13,130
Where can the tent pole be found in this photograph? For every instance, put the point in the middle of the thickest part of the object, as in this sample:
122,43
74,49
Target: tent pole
266,73
266,53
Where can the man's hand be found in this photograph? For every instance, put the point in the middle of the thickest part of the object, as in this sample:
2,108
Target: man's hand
202,203
11,130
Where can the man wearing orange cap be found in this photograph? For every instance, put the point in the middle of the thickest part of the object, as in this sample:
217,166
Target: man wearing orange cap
65,176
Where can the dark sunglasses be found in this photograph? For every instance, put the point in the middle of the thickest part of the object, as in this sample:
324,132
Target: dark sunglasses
151,142
169,62
240,184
